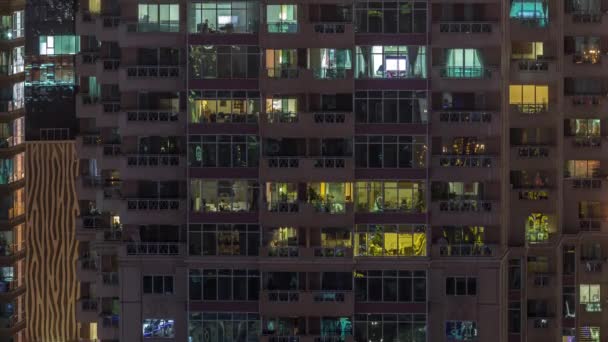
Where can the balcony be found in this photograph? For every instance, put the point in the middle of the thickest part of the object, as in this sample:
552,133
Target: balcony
154,160
11,109
465,250
474,167
104,27
307,214
531,29
307,303
329,169
585,147
306,124
140,122
86,270
585,23
9,253
466,79
134,34
584,183
152,77
87,310
9,325
463,211
591,104
153,248
328,253
309,35
153,204
299,80
465,33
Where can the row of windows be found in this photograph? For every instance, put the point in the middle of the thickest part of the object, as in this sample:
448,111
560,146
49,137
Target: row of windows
243,195
390,286
224,284
244,62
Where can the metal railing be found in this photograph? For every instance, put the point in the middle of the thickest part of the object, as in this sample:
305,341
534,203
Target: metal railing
329,163
167,26
284,251
465,117
110,64
465,72
465,161
111,150
110,21
532,152
284,206
88,304
329,296
466,250
532,108
152,116
11,105
325,206
590,224
283,296
11,249
329,27
153,160
586,17
282,117
532,65
152,248
329,118
330,252
161,71
330,73
465,27
588,141
586,183
466,205
282,27
283,162
152,204
13,284
283,72
582,100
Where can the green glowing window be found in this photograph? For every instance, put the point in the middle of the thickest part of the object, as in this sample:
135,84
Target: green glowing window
59,45
530,11
282,18
463,63
537,228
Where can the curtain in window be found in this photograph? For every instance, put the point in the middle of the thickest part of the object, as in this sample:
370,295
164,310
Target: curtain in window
531,9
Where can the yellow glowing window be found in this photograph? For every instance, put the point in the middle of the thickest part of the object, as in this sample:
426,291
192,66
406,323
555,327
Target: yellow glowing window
390,240
529,98
527,50
95,6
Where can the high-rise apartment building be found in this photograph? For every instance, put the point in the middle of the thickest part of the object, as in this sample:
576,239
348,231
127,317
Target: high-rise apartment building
408,170
12,148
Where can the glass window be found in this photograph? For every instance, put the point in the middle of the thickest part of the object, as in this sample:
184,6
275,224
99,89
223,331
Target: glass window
390,151
224,62
224,284
158,284
282,109
537,228
390,327
224,239
223,151
59,45
589,297
158,18
223,195
390,240
395,196
282,18
463,63
223,17
158,328
529,98
391,106
223,326
589,334
461,330
391,16
390,62
212,106
527,50
461,286
330,197
329,63
533,11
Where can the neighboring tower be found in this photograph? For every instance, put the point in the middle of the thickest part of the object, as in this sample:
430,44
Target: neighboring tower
51,205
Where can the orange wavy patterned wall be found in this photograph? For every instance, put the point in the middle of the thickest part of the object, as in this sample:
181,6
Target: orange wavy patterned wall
52,249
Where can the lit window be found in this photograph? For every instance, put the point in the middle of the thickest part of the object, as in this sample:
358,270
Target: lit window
589,334
535,11
158,328
282,18
59,45
463,63
158,18
390,240
527,50
537,228
589,296
460,330
390,62
529,98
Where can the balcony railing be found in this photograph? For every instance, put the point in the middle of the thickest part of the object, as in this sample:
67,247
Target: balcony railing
330,118
110,64
152,248
167,26
88,263
11,249
329,27
466,161
11,284
12,34
283,162
153,160
589,141
288,72
533,65
282,117
330,73
465,117
587,17
587,58
284,251
109,278
109,321
110,21
465,72
581,183
331,252
532,108
152,204
466,250
11,321
590,224
283,296
586,100
329,163
111,150
152,116
465,27
161,71
532,152
284,206
282,27
331,207
328,296
466,205
11,105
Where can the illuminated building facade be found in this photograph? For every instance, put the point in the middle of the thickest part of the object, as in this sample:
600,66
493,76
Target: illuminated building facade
341,171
